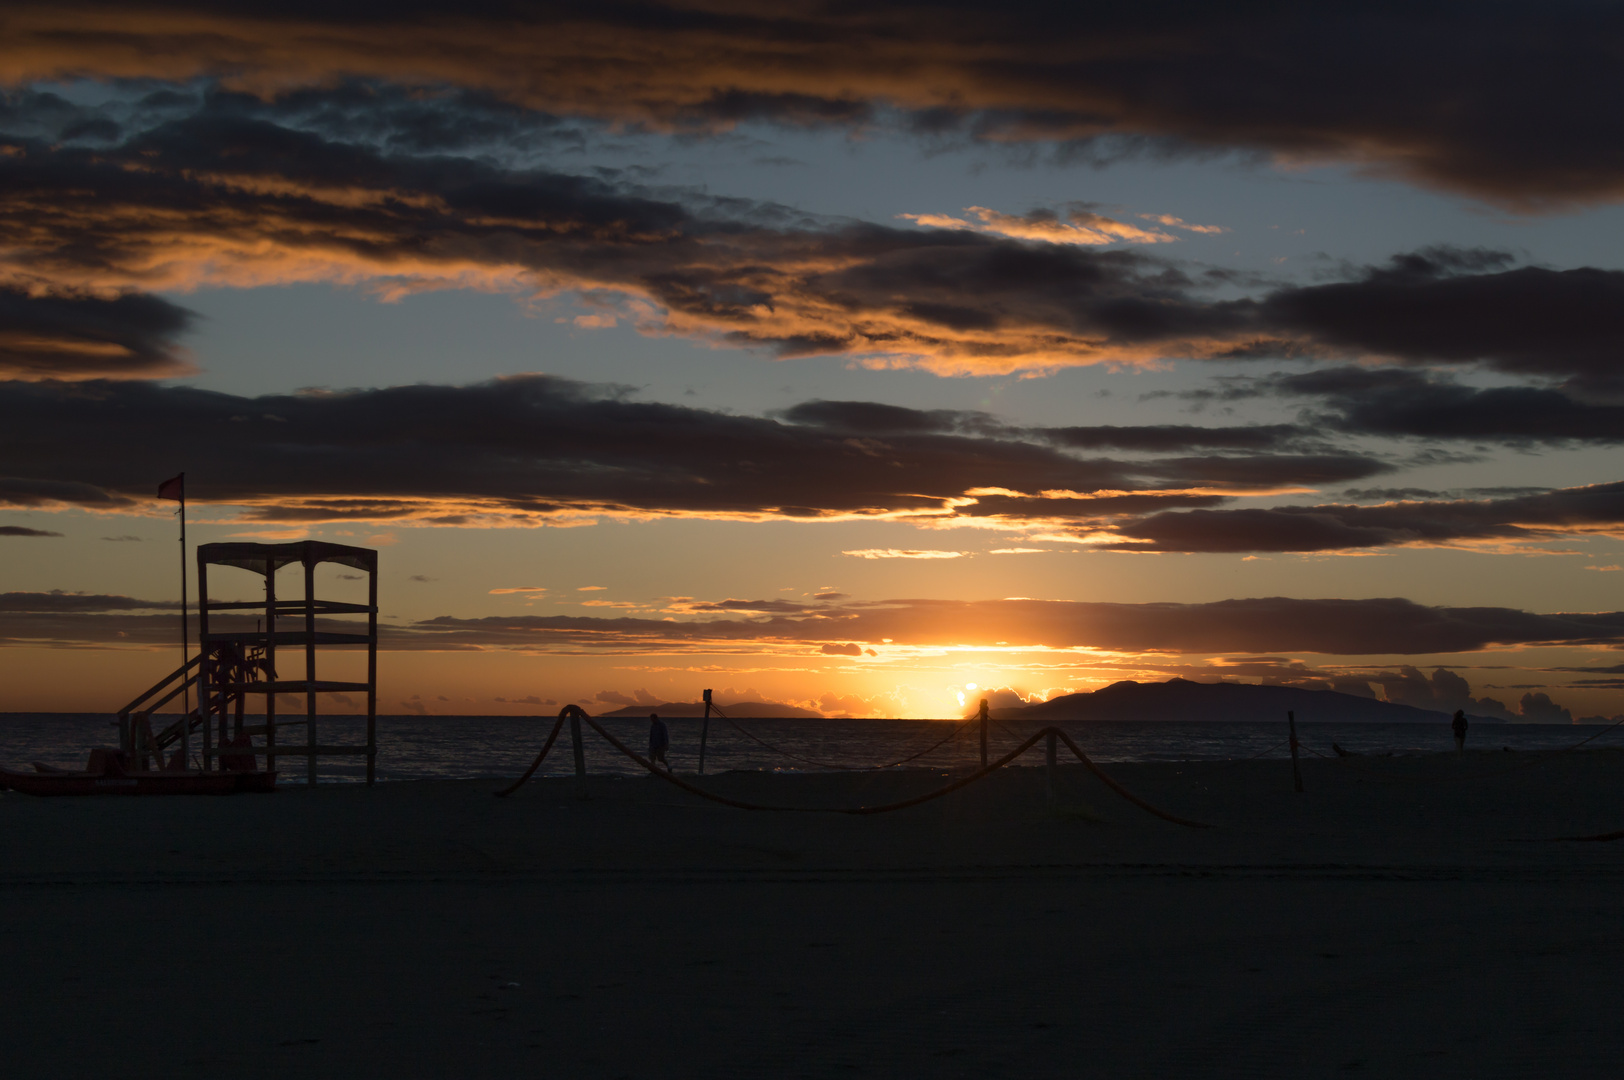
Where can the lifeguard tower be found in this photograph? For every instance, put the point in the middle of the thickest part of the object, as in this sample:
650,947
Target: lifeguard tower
235,662
288,627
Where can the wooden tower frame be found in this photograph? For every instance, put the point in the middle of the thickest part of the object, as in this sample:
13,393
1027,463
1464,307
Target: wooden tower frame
233,662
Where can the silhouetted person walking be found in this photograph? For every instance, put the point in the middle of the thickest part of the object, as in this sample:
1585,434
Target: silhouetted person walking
1459,726
659,740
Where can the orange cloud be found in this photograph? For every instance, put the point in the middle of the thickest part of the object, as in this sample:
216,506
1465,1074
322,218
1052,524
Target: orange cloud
210,205
1077,227
1179,223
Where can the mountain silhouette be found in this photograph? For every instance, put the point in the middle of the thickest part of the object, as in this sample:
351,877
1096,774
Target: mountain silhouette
1181,699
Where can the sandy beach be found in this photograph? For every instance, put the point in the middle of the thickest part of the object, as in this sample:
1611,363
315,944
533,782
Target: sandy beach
1401,917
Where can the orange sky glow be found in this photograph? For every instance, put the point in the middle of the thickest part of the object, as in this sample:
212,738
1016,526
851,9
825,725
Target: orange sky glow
820,356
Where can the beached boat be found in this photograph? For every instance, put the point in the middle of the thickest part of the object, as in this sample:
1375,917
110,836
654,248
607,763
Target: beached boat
105,774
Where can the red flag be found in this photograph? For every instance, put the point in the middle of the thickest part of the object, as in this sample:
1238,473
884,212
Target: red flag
173,488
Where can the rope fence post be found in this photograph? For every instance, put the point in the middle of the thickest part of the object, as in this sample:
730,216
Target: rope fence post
1051,763
575,740
704,731
983,733
1296,769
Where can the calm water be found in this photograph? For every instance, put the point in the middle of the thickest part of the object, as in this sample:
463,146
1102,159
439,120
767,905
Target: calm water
415,747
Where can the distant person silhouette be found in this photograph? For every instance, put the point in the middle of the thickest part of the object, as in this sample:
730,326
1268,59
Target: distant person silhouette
659,740
1459,726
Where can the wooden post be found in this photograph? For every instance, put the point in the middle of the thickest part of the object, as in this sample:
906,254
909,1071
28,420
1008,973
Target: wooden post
310,667
1296,769
1051,763
208,672
185,646
205,710
270,661
575,739
372,671
704,731
983,733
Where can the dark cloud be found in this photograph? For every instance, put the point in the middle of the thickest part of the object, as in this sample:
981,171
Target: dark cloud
1268,670
1502,101
773,606
876,418
224,196
1596,508
66,620
1264,625
1454,306
418,121
1390,494
872,418
219,199
81,336
1393,401
58,601
1445,691
23,530
26,491
533,446
1165,438
1338,627
1538,708
1382,494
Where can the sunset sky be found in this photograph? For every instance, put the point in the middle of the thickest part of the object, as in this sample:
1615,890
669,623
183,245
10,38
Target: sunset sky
836,355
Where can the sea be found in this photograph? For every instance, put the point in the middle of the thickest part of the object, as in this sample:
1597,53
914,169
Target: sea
492,747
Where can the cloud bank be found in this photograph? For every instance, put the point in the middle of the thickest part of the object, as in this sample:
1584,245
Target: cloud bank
1478,98
227,192
528,449
1373,627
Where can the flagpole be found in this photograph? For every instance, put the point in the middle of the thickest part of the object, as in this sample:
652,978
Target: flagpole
175,488
185,641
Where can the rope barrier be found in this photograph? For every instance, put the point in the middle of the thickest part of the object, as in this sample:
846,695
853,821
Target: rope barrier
1543,757
536,764
1113,785
886,808
1270,750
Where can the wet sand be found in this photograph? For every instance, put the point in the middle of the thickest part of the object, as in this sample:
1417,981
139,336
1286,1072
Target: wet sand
1402,917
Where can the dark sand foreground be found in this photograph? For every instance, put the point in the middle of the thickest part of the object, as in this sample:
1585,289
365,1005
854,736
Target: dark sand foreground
1395,921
